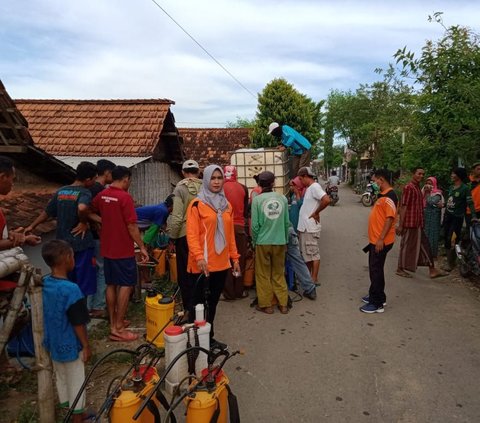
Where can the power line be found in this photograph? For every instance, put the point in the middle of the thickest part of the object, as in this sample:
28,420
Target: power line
204,49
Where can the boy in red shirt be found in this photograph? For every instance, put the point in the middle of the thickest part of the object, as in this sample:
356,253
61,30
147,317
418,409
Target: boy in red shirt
118,234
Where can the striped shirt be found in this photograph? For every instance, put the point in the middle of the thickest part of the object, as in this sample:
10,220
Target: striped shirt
412,200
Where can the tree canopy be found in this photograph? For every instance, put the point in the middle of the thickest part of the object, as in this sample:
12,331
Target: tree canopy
281,102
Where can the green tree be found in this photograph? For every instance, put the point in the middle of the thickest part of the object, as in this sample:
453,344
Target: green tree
447,74
241,122
281,102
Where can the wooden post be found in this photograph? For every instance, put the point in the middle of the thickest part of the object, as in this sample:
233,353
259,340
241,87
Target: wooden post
15,305
46,399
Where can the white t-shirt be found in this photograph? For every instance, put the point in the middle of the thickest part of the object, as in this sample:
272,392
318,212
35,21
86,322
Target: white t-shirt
311,200
334,180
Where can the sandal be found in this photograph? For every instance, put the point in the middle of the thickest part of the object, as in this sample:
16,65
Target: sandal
439,274
125,336
283,309
403,274
266,310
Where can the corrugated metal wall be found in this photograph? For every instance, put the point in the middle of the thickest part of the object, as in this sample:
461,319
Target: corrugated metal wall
152,182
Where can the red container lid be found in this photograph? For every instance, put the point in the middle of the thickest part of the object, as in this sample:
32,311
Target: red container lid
173,331
217,373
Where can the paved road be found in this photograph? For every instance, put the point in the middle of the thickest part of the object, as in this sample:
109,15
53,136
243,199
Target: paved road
325,361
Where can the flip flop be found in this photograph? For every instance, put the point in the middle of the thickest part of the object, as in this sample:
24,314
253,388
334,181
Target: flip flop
126,323
440,274
404,274
125,336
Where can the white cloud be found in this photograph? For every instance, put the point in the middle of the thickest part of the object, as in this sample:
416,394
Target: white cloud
125,49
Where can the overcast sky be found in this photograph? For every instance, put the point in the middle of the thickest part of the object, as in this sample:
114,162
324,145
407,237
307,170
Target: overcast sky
103,49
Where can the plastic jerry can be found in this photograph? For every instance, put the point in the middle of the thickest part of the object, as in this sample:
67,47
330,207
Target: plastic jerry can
161,256
158,311
175,342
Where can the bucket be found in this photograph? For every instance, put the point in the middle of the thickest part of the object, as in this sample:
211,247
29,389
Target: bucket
172,265
249,274
158,311
161,256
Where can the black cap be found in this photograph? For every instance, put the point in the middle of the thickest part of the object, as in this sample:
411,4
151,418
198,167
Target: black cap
266,178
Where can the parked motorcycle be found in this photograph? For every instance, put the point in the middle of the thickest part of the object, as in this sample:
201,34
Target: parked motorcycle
468,252
370,195
332,191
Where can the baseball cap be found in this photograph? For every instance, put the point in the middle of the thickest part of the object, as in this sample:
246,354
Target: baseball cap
190,164
306,171
272,127
266,178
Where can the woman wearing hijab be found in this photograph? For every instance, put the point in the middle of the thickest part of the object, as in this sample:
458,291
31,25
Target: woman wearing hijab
433,203
211,242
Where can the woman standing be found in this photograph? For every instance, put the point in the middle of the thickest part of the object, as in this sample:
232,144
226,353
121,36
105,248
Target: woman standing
211,242
458,198
433,203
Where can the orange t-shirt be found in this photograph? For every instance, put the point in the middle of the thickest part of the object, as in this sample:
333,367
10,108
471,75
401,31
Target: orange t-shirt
475,196
384,207
201,225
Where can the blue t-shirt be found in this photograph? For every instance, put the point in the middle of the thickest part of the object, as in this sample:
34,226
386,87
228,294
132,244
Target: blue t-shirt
157,214
296,141
64,207
63,306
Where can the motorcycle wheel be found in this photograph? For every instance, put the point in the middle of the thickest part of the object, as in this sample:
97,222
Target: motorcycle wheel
464,269
367,200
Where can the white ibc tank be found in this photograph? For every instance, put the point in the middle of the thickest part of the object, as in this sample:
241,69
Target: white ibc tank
175,343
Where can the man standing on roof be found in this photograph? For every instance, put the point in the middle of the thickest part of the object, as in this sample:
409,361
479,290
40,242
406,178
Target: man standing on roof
185,191
299,145
70,206
237,195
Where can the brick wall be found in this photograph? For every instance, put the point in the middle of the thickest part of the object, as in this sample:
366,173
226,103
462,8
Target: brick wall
213,145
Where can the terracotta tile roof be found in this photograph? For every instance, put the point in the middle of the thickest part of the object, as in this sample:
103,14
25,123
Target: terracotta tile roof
213,145
22,206
96,127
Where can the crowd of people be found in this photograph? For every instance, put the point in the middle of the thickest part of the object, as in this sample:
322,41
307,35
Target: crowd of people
212,222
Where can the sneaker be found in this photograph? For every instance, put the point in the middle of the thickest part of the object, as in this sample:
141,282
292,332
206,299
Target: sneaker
371,308
366,300
312,295
217,345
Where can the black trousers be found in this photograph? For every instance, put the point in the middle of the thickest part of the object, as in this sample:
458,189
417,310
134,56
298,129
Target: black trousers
184,282
452,225
211,288
376,262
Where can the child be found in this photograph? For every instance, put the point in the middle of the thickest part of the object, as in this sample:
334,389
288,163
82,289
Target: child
65,316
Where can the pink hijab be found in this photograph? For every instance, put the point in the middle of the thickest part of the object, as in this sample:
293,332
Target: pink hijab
301,188
435,189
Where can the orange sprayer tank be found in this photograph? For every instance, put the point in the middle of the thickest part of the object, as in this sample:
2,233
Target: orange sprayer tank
161,256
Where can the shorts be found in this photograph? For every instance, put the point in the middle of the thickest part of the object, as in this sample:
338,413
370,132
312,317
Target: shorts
120,272
309,245
69,377
84,273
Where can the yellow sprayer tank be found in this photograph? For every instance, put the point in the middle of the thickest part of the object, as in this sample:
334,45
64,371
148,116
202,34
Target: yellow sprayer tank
202,404
158,311
128,402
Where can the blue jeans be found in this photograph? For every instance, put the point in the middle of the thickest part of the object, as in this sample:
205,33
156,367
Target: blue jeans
97,300
298,264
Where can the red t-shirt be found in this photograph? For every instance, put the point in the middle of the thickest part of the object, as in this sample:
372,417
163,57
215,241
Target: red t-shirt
237,195
117,210
3,225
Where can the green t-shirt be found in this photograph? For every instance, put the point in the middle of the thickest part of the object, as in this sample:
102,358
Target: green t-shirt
270,219
457,200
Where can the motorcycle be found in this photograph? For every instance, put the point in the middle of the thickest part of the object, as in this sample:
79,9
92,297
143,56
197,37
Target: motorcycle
332,191
468,252
370,195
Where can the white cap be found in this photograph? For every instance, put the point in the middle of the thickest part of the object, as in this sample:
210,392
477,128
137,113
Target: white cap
272,127
190,164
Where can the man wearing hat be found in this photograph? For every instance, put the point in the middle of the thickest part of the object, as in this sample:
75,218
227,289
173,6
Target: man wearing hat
297,142
185,191
314,201
270,224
